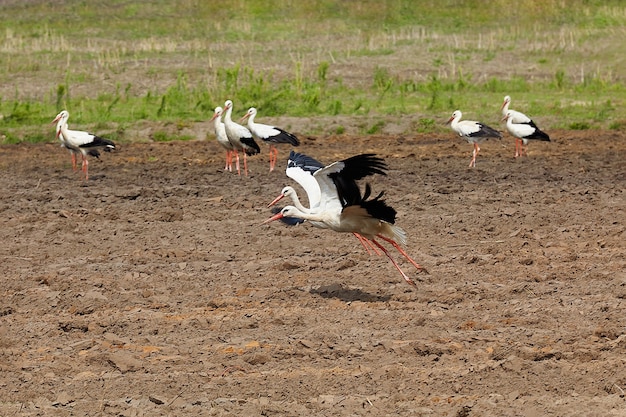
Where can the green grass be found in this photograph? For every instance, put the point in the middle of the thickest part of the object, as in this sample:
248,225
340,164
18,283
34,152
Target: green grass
113,64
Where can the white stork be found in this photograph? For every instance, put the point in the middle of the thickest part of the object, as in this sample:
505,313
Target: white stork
80,142
344,209
222,139
73,152
270,134
523,132
239,136
519,118
473,132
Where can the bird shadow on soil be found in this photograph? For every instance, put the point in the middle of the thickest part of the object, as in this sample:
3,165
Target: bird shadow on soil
347,294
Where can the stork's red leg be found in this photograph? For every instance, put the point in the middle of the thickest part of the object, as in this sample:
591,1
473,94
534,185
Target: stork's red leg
399,249
273,157
367,244
227,166
474,155
406,278
237,162
85,167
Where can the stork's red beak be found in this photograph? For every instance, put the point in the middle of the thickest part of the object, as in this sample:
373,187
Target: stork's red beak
214,116
277,216
450,119
276,200
245,116
56,119
58,134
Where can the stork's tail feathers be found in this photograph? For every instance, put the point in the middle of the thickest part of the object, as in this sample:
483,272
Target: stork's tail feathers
541,135
251,148
394,232
286,137
99,142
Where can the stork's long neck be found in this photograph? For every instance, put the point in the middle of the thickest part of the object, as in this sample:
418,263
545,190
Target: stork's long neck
227,115
217,122
454,124
60,124
297,204
308,215
62,128
505,108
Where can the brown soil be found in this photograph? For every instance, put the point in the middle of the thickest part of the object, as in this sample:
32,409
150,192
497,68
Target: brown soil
153,289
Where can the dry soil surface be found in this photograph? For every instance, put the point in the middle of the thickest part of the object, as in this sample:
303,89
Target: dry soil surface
153,289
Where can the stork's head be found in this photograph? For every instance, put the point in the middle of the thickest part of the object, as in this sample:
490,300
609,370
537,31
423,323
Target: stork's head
506,102
250,113
286,192
456,115
218,113
64,115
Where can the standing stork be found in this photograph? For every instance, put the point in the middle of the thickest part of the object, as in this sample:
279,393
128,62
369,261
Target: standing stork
80,142
73,152
239,136
473,132
523,132
222,139
344,209
270,134
519,118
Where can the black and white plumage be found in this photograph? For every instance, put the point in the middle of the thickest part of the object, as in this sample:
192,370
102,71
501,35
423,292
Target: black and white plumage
519,118
270,134
301,168
343,208
523,132
239,136
222,139
473,132
73,151
79,142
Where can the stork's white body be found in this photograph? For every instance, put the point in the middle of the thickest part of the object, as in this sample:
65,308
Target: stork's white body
239,136
222,139
270,134
473,132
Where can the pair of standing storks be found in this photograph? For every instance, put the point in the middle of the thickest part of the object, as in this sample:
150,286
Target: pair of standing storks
518,124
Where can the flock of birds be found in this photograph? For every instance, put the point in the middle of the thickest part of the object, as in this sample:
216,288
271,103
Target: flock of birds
336,201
